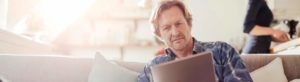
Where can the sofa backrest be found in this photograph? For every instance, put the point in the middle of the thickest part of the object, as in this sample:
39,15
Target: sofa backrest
291,63
14,43
133,66
39,68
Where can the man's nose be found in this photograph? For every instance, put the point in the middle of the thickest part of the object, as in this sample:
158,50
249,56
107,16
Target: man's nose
174,30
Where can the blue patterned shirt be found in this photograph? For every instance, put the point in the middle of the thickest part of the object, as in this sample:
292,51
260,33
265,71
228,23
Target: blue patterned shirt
229,67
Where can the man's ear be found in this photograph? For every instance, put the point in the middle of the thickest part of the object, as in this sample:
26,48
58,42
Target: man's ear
159,41
158,36
190,26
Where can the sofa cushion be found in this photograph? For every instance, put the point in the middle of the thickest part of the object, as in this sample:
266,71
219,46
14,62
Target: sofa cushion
44,68
3,79
272,72
105,71
133,66
295,80
291,63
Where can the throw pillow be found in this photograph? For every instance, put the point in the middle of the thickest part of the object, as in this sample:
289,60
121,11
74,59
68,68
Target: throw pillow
295,80
2,79
104,71
272,72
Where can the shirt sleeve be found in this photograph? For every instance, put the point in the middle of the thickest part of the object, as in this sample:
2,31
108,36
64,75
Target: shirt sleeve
232,67
145,75
253,8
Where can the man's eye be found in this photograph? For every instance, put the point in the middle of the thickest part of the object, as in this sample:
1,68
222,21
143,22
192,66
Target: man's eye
166,27
178,24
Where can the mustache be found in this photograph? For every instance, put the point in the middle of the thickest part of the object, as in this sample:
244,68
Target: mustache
177,37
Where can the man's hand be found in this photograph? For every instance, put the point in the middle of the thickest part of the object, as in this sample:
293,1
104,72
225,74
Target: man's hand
279,36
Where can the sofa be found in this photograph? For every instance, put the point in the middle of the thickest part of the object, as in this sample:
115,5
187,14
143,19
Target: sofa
291,63
57,68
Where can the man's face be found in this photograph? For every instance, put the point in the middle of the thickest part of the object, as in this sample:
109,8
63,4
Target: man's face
174,29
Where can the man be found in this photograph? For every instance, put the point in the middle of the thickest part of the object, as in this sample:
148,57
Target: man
172,24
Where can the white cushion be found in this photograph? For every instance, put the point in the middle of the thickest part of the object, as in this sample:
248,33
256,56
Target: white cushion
295,80
44,68
272,72
104,71
2,79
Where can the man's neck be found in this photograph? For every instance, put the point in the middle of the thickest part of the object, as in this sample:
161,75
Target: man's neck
185,52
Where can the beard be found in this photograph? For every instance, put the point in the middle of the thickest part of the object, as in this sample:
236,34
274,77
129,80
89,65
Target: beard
179,43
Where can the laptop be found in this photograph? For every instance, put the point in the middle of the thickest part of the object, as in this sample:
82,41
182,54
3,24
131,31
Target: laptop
195,68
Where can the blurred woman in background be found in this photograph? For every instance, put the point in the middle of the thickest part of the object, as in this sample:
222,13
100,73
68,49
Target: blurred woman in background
257,26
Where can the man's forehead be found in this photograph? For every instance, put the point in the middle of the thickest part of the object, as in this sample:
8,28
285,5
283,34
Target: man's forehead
173,8
171,15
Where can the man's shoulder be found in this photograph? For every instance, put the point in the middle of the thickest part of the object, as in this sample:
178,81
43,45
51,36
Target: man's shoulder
220,51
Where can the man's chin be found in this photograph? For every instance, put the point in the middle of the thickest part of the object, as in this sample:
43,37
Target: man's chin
178,47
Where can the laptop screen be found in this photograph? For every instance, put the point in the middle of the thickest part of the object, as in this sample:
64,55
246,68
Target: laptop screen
195,68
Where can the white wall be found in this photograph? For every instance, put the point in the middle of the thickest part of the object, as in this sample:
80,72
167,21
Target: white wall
3,13
17,9
287,9
217,20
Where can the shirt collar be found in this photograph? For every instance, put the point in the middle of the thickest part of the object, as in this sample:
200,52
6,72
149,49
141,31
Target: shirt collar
197,48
